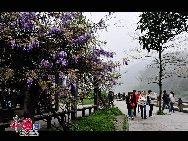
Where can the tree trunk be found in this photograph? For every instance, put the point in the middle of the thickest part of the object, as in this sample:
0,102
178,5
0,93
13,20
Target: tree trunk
29,110
56,93
160,78
96,90
74,93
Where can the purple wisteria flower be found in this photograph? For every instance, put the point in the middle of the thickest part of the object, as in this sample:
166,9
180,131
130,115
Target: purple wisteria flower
93,58
111,55
62,62
29,81
74,59
54,30
13,43
28,15
109,69
81,39
26,20
31,45
67,17
102,52
96,51
45,63
62,54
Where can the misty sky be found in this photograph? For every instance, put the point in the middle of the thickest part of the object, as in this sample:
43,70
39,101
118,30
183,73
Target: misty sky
119,37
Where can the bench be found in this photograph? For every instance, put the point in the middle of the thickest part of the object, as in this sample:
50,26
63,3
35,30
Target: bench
44,116
4,125
85,108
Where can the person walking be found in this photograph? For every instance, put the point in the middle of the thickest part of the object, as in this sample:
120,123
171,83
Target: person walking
142,104
150,100
119,96
111,98
172,101
123,96
134,101
180,105
129,106
166,100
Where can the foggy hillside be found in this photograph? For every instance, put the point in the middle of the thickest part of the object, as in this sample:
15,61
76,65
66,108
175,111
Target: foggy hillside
129,76
171,83
138,75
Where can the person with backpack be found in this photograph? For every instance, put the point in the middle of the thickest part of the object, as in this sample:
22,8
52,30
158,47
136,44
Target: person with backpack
172,101
130,105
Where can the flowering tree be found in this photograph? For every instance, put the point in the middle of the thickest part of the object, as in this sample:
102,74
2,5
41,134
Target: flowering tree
37,44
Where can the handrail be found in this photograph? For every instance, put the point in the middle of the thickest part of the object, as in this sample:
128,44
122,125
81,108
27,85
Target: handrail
175,101
88,107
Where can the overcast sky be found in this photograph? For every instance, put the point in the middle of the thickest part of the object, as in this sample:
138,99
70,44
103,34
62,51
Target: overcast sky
119,37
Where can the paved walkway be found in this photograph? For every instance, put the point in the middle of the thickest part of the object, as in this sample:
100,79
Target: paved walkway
177,121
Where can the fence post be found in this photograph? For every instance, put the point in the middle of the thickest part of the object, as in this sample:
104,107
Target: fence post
83,112
73,117
90,110
49,122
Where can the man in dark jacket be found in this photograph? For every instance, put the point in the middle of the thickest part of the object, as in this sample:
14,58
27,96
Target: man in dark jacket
111,98
166,100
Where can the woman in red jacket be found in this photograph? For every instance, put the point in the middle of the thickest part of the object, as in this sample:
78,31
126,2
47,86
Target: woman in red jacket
134,101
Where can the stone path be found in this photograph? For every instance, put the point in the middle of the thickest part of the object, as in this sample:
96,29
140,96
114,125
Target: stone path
177,121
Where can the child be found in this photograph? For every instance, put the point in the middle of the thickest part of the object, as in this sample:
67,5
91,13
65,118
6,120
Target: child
180,105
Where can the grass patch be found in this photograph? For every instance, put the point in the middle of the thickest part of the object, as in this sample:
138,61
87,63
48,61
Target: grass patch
88,101
101,120
125,124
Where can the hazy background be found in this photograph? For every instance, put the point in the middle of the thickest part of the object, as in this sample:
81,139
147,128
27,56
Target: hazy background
121,37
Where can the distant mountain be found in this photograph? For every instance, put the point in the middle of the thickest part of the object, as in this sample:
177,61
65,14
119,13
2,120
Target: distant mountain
172,82
129,76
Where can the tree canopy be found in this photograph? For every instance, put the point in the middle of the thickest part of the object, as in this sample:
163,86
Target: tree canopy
158,28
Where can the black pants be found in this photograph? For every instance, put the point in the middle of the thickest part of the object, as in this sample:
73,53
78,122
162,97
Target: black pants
150,110
138,108
164,105
135,109
143,110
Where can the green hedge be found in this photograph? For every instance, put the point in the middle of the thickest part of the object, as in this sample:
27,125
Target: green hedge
101,120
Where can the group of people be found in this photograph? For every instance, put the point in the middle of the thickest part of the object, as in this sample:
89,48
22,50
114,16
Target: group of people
138,101
169,100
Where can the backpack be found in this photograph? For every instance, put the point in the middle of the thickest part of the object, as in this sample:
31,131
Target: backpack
148,100
132,104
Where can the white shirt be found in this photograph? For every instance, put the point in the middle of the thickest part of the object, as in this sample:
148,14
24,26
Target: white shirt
151,98
172,99
142,100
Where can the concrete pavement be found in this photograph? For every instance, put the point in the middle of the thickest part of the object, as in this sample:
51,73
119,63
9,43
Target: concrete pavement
177,121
